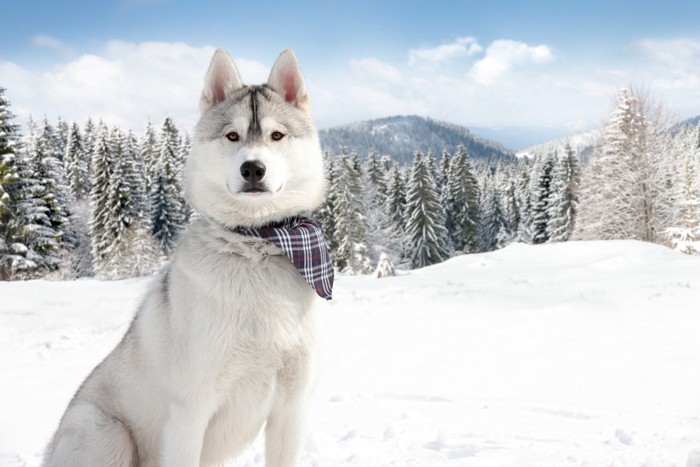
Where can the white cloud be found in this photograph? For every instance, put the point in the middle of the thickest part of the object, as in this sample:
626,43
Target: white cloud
462,47
372,68
124,84
502,55
51,43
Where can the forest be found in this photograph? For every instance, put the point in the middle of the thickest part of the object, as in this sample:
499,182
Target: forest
87,200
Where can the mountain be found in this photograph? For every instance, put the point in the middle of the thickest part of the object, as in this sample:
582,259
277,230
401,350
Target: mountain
582,144
401,136
687,123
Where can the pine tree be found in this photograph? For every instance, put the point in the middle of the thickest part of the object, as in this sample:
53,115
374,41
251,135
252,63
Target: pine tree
524,205
325,214
150,152
12,248
393,224
75,161
443,176
120,209
541,199
624,189
49,160
88,143
494,227
684,233
182,154
564,197
353,255
461,203
100,223
427,237
166,195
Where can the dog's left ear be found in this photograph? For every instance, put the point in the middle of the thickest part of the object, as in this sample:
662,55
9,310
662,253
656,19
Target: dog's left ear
286,78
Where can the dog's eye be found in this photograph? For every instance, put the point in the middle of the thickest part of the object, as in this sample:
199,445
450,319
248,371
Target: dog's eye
233,136
276,136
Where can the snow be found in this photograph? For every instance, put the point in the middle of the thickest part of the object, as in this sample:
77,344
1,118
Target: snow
571,354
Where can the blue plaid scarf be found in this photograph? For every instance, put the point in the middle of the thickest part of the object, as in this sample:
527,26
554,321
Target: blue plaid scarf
301,239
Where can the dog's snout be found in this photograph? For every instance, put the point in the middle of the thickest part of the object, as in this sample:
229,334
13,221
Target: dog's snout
253,171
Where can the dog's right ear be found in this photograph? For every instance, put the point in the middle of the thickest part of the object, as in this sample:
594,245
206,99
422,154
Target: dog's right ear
221,80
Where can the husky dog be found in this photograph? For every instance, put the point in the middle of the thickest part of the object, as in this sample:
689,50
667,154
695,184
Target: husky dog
225,339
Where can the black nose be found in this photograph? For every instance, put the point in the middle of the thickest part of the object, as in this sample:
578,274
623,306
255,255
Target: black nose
253,171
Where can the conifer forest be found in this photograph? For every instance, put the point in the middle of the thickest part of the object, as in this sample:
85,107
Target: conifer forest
81,199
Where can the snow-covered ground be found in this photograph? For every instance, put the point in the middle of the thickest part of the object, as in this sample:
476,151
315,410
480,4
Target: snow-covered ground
557,355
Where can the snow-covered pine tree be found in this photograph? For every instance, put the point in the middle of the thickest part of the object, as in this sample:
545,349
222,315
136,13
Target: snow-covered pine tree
684,233
149,148
61,141
374,181
47,170
145,256
524,203
443,178
512,207
101,233
494,223
426,235
76,167
182,154
33,227
88,142
624,189
120,210
325,214
541,198
393,223
166,194
564,197
375,178
460,200
12,248
352,255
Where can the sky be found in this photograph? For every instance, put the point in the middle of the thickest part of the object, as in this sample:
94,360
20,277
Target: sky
515,71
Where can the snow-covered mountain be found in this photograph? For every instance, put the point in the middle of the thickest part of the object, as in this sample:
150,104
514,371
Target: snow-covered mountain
401,136
581,143
564,354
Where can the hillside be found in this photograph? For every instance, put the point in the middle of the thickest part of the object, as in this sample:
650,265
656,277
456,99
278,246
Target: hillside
401,136
567,354
582,144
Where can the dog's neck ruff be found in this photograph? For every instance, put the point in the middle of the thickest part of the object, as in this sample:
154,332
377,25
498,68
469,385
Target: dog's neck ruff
301,240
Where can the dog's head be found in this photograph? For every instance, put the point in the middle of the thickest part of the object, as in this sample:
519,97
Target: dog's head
256,156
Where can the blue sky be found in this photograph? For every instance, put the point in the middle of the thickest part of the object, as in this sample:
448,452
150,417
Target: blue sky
514,70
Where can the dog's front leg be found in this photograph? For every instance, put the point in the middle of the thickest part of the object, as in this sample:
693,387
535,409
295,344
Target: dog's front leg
183,437
284,434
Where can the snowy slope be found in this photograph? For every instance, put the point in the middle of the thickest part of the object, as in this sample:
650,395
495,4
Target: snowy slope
555,355
583,145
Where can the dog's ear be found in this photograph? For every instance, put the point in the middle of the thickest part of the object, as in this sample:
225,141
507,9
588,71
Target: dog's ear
221,80
286,78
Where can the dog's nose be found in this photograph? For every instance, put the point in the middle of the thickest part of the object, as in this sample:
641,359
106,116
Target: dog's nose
252,171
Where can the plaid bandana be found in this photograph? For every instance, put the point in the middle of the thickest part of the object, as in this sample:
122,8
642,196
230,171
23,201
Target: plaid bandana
301,239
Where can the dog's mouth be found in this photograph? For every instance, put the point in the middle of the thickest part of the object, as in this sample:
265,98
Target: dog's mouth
257,188
254,190
254,187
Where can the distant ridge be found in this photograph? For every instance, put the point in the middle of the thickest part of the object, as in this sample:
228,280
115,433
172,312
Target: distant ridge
401,136
582,144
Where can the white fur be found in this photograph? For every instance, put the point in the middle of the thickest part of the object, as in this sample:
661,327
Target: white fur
224,342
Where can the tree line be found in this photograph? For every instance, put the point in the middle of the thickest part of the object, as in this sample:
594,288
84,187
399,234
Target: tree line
91,200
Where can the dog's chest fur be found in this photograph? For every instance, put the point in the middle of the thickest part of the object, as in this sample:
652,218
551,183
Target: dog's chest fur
237,318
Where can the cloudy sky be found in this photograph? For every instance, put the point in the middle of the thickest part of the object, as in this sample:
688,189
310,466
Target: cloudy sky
517,71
